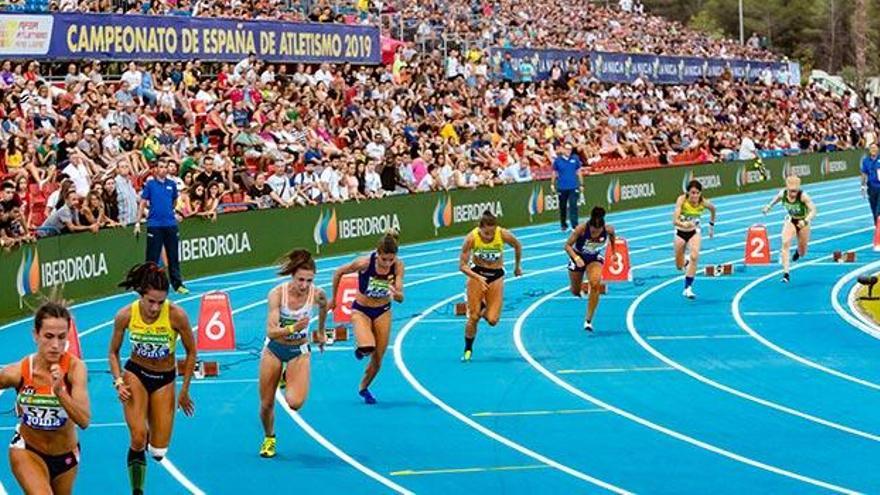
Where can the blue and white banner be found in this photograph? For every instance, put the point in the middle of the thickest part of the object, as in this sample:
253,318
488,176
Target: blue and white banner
70,36
507,62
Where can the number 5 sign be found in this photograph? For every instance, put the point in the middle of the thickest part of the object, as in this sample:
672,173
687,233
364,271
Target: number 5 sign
617,267
216,331
348,288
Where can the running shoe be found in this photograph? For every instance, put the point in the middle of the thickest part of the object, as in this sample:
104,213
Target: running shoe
786,278
267,450
367,396
588,326
796,256
182,290
689,293
466,357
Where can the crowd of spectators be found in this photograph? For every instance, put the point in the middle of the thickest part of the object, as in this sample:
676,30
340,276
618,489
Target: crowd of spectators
75,150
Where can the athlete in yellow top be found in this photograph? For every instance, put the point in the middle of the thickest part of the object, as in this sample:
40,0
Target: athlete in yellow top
51,398
801,211
482,260
146,387
689,209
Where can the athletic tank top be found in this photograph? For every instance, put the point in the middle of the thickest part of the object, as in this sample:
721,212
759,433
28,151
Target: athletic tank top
154,341
37,405
796,209
373,285
691,212
288,316
586,244
488,252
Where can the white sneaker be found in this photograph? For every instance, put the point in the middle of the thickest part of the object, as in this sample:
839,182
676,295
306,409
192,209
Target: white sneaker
588,326
689,293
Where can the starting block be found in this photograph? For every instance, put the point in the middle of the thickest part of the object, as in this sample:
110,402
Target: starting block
585,288
845,256
340,333
203,369
461,309
719,270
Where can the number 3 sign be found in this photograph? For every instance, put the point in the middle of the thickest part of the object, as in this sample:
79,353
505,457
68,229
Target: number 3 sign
617,267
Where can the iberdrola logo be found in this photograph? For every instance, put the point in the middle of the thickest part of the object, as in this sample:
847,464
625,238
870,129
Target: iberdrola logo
28,277
442,216
613,194
325,228
536,202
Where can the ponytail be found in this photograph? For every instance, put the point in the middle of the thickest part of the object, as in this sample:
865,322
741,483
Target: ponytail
145,277
298,259
389,242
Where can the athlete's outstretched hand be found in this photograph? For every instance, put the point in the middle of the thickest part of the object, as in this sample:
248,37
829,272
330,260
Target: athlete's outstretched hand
483,285
123,391
185,403
517,272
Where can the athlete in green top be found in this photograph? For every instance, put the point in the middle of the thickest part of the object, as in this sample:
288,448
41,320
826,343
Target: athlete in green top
800,212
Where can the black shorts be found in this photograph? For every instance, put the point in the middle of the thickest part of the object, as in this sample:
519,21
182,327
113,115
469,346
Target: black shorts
794,221
685,235
151,380
490,274
56,464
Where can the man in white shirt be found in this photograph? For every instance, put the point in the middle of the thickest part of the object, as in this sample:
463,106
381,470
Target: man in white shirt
329,182
79,174
322,75
747,149
372,182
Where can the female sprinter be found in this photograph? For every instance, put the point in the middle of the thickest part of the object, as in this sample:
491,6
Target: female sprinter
51,397
688,209
584,248
380,279
292,306
801,212
146,387
482,260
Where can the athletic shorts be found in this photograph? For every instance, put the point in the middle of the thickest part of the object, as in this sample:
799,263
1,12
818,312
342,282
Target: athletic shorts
490,274
371,312
587,258
686,235
56,464
287,353
151,380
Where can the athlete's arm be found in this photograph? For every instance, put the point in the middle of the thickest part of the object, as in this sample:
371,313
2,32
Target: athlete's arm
464,259
772,203
10,376
321,301
180,323
355,266
612,238
75,402
572,239
120,323
676,215
811,207
711,207
508,237
273,329
397,284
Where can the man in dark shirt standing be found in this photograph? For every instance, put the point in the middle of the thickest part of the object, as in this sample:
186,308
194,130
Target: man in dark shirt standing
160,194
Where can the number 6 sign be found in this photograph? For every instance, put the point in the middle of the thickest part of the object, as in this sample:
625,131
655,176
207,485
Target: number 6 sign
617,267
216,331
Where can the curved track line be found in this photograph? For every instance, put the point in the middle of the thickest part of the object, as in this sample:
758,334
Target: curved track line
851,316
517,338
634,333
401,365
336,450
737,315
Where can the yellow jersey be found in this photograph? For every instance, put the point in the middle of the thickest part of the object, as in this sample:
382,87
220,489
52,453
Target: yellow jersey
691,212
491,252
153,341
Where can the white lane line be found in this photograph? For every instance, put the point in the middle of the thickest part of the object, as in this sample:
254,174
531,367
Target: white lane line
517,337
737,316
183,480
786,313
279,397
634,333
645,369
401,365
852,318
504,414
698,337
